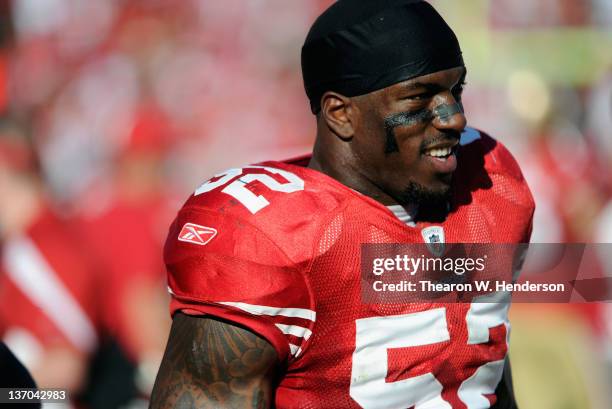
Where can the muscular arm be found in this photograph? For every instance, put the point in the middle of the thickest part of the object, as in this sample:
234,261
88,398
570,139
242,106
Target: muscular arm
212,364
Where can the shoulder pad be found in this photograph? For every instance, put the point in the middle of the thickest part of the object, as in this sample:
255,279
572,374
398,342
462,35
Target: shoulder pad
289,204
477,146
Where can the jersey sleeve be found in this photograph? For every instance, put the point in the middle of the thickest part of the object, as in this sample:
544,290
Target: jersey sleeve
223,266
504,166
489,165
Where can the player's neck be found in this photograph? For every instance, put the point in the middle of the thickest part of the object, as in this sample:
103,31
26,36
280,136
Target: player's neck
340,171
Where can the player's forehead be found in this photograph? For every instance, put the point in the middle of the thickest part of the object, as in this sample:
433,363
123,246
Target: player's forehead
444,79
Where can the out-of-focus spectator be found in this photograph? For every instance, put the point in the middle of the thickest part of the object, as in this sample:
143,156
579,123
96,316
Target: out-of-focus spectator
124,225
47,285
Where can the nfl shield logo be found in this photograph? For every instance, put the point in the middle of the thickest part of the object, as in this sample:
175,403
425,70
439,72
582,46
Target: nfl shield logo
434,237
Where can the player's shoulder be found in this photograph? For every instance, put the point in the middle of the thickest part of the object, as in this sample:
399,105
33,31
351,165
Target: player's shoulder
480,149
280,190
284,202
487,166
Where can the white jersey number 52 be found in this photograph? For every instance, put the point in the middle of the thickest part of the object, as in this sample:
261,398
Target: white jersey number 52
376,335
239,181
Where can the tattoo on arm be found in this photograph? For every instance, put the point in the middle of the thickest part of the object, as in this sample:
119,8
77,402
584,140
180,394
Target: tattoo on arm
212,364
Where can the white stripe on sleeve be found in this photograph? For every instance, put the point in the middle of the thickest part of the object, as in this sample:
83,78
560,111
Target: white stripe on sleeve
295,350
265,310
295,330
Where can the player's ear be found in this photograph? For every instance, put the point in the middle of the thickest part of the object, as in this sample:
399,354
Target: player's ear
338,112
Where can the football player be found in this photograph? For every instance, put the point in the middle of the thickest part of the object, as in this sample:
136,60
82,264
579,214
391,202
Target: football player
264,260
48,314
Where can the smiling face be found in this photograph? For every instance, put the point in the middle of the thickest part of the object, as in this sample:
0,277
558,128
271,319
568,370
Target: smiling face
405,136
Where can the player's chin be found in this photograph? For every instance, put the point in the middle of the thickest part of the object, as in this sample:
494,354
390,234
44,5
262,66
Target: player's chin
443,181
438,184
433,192
439,192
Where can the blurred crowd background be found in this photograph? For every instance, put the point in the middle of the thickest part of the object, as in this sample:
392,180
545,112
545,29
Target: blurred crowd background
113,111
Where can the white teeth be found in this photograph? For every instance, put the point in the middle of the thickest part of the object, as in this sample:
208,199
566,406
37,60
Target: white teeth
439,153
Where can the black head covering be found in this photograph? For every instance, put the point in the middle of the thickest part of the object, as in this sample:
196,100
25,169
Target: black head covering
359,46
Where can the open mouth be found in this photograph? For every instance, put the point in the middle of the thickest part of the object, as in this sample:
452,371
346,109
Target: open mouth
441,151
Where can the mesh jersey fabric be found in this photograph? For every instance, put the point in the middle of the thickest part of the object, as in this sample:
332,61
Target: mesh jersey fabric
290,272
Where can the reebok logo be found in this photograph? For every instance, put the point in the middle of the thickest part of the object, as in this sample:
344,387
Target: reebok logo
196,234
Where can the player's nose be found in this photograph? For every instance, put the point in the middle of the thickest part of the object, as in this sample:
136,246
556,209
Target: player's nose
449,116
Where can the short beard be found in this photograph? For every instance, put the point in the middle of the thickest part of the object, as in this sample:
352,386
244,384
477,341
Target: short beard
433,206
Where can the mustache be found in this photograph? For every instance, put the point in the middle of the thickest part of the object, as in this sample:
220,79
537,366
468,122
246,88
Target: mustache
441,138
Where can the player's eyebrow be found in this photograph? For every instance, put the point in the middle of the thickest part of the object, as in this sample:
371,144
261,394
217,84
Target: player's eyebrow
432,87
422,85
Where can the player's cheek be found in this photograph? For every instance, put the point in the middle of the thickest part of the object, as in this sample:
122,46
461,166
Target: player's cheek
409,145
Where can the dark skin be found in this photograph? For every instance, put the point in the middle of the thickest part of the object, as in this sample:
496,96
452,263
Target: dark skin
212,364
209,363
350,144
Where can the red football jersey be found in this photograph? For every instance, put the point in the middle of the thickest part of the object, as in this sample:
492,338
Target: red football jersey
276,248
